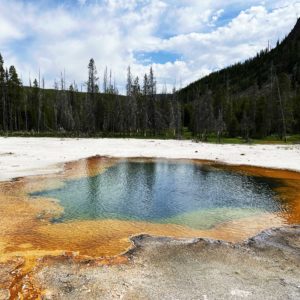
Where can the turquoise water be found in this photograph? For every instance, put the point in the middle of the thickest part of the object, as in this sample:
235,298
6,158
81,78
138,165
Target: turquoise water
165,192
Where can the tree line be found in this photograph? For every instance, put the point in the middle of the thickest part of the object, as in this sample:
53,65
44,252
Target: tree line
142,112
258,113
254,99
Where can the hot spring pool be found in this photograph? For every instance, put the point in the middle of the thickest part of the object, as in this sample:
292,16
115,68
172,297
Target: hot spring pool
94,205
183,193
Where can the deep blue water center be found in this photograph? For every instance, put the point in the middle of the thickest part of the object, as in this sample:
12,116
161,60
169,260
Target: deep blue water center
164,192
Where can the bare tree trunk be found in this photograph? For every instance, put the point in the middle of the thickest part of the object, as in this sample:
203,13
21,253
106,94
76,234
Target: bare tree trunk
26,118
4,112
281,111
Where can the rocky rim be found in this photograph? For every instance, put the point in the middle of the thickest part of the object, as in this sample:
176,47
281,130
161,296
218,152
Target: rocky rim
266,266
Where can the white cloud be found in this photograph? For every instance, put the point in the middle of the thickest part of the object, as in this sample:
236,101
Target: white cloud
54,38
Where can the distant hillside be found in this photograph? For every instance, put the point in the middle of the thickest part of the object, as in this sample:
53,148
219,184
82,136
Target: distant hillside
285,58
256,98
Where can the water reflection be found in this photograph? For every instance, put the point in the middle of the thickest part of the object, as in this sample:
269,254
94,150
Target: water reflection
161,191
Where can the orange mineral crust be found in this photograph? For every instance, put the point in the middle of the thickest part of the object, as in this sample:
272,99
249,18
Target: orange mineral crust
27,230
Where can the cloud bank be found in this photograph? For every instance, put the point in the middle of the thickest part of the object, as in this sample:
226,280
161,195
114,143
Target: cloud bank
183,40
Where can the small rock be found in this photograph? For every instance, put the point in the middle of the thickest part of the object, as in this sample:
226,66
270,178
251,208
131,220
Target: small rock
240,293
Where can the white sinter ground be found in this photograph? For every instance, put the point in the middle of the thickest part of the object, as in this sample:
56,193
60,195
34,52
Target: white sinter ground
34,156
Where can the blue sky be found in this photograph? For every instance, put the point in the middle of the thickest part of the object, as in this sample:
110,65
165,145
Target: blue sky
183,40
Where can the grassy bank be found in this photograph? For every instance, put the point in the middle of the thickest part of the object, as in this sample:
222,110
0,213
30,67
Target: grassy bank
186,135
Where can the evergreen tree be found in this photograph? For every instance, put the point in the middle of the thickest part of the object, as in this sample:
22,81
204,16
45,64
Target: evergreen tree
92,89
129,82
92,81
14,98
3,94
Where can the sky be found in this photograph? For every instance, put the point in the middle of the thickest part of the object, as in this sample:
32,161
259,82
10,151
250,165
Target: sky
182,40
